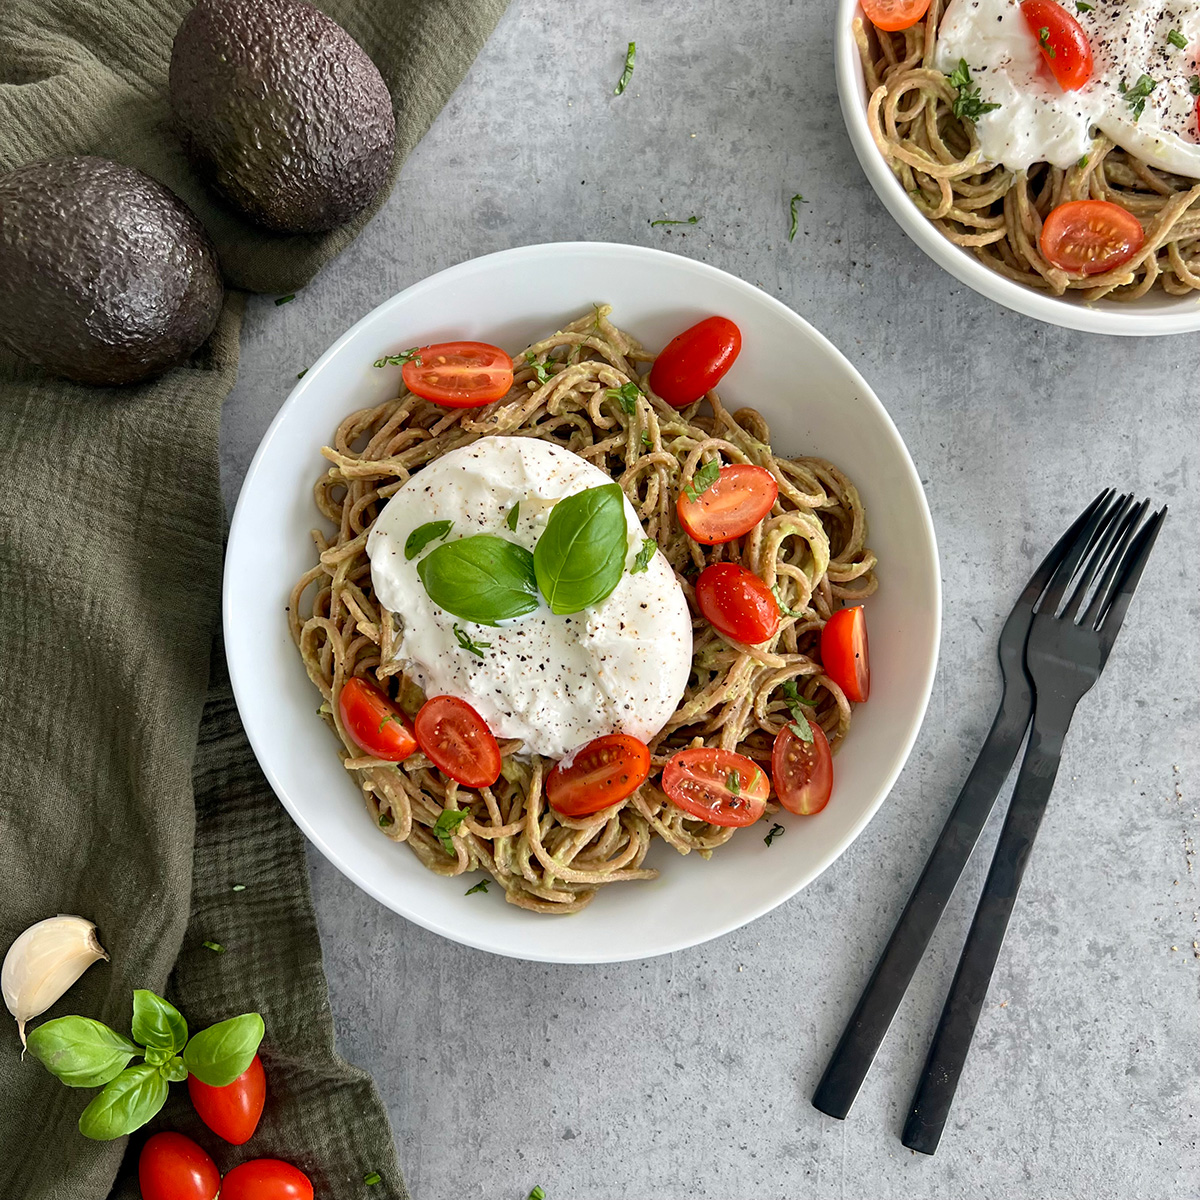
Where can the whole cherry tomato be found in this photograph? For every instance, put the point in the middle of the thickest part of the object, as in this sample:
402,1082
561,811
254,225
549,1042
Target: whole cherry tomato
737,603
266,1179
232,1111
173,1167
695,361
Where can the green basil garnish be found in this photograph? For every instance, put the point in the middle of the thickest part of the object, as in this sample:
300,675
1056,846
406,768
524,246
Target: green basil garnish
420,537
449,819
580,557
158,1024
81,1052
173,1070
644,555
126,1103
776,831
514,515
219,1054
484,579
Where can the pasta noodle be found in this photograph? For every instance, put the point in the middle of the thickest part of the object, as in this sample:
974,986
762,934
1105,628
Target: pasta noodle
811,548
997,213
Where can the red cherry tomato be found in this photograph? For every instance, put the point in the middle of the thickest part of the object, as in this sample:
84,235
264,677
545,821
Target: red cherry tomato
459,374
373,722
894,14
605,771
844,653
802,771
716,786
695,361
266,1179
1089,237
173,1167
1063,43
740,498
737,603
231,1111
458,742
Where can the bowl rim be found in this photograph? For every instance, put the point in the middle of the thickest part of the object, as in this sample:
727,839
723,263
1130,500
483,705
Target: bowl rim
241,529
1105,317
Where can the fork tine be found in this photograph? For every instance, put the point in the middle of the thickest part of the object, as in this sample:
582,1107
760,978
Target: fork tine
1105,557
1131,571
1124,535
1092,532
1041,577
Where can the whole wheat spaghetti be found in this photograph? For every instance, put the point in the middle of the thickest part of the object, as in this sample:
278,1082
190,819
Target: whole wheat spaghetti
998,213
811,548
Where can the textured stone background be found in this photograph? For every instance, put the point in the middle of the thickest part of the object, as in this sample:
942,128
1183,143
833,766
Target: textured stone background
690,1076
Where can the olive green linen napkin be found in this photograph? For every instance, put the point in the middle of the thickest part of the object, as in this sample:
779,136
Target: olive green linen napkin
128,793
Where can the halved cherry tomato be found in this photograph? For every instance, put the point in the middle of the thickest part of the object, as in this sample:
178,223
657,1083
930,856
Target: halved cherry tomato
459,374
844,653
802,771
373,722
266,1179
737,603
740,498
1064,45
173,1167
717,786
695,360
894,14
1089,237
457,740
232,1111
604,772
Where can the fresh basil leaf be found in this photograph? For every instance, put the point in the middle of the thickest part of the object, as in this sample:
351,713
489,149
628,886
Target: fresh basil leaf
968,105
173,1070
1194,84
126,1104
484,579
156,1058
796,199
371,1178
784,610
420,537
703,480
481,886
776,831
157,1023
1177,39
386,820
802,729
81,1052
219,1054
398,360
540,369
644,555
733,782
580,557
514,515
449,819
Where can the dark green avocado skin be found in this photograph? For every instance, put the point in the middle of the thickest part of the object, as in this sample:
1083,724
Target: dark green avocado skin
106,276
281,111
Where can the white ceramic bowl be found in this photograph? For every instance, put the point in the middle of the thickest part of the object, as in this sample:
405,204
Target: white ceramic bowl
1154,314
815,401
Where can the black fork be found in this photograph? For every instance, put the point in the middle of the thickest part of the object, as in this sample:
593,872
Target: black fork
1067,648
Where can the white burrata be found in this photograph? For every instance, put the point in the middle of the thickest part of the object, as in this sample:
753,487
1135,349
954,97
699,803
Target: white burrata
554,681
1038,122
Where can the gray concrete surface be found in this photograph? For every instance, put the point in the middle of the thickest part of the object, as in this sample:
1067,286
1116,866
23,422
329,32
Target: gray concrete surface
690,1076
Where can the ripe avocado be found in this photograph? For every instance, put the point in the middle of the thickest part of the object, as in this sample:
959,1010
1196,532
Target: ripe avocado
281,111
106,276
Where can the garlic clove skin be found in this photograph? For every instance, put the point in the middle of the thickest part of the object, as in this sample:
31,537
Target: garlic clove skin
44,962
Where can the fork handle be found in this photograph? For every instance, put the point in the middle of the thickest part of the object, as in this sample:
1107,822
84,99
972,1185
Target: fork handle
939,1080
881,997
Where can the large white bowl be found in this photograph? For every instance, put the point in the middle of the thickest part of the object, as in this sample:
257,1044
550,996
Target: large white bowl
815,401
1153,314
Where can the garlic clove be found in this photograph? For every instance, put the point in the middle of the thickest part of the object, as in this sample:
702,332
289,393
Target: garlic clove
44,962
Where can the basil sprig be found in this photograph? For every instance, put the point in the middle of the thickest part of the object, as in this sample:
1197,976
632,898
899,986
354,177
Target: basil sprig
580,557
82,1052
484,578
